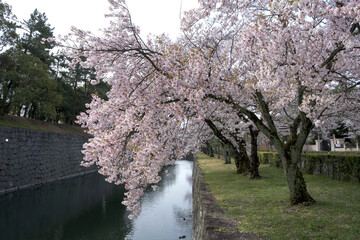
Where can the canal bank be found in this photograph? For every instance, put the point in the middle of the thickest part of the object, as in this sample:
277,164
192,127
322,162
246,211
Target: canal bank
209,223
32,157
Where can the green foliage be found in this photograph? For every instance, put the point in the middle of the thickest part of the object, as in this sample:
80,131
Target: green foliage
34,83
68,108
271,158
8,26
341,166
37,29
27,86
337,166
341,131
74,100
78,76
262,206
74,85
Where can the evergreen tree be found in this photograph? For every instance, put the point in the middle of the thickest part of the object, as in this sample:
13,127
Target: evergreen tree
27,89
36,30
8,81
75,87
35,83
7,26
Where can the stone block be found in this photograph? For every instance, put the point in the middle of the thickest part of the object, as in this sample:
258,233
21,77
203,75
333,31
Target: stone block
31,155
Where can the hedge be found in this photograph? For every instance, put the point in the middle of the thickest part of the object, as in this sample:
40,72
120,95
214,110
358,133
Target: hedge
341,166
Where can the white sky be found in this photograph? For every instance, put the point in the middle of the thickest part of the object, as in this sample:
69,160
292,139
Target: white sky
153,16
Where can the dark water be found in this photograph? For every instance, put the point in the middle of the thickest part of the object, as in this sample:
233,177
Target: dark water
88,208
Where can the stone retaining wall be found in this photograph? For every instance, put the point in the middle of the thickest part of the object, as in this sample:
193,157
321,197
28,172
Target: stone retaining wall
198,211
30,157
205,208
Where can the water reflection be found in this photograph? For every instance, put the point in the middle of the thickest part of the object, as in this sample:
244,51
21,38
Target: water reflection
166,213
71,209
88,208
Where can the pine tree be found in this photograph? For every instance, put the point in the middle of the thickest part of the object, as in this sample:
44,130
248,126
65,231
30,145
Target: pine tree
36,30
7,26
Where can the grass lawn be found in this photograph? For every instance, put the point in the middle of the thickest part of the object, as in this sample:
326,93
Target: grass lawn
19,122
262,206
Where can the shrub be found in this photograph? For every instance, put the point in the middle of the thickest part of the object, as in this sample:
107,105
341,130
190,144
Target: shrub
341,166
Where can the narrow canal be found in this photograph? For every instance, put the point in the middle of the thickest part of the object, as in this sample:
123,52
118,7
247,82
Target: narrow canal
88,208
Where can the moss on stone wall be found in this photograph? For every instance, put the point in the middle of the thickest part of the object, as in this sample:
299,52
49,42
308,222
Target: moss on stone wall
32,124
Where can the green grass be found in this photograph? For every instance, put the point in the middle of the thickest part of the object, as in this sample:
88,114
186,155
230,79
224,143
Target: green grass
262,206
19,122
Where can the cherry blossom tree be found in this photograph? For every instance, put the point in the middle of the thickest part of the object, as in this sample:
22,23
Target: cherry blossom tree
231,130
288,61
152,115
279,64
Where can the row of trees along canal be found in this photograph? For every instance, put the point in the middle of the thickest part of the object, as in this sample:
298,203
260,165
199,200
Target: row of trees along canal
278,67
282,67
35,81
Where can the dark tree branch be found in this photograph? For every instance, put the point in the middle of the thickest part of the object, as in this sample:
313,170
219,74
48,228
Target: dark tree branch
330,59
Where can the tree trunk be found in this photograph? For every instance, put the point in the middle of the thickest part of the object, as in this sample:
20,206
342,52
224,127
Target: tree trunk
291,160
228,156
2,108
254,159
26,111
237,162
210,150
227,160
219,152
204,149
19,111
242,161
289,151
295,179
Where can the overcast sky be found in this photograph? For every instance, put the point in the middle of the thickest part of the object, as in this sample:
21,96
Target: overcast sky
155,16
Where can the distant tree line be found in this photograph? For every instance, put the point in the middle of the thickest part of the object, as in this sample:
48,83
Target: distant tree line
36,81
